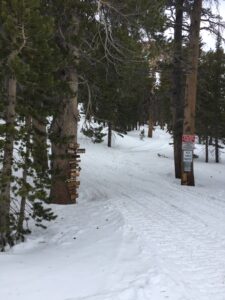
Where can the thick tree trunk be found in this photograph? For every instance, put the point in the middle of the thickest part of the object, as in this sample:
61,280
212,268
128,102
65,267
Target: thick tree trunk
40,151
177,98
64,130
10,116
217,158
150,126
207,149
191,83
109,134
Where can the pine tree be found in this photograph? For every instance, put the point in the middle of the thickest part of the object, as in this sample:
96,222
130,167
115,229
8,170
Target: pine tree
210,100
121,82
65,119
13,38
178,86
24,46
187,178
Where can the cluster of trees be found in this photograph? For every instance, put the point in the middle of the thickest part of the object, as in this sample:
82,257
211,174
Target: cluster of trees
210,118
185,104
106,55
54,54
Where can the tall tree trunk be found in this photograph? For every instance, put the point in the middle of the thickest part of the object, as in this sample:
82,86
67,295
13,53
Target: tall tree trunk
207,149
65,123
64,130
10,116
109,134
177,97
191,83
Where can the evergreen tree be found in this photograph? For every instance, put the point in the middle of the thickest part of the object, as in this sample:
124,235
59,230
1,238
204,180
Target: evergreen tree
187,178
24,34
120,81
211,96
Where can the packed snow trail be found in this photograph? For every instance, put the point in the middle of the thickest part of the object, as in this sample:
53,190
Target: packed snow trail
136,234
180,229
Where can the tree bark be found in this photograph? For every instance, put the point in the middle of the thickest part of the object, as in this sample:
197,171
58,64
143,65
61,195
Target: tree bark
150,125
191,83
40,152
20,228
10,116
207,149
177,97
65,123
217,158
64,130
109,134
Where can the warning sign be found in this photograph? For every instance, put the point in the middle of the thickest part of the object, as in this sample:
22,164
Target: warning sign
188,142
188,146
187,138
187,156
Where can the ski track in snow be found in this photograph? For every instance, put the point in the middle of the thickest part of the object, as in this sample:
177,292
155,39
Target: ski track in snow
136,234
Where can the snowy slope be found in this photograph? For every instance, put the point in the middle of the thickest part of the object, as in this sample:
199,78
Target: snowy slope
136,233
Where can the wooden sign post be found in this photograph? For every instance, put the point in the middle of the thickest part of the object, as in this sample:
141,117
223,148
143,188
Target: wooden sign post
74,170
188,142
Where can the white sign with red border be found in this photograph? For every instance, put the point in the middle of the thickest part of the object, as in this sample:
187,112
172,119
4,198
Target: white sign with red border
188,142
188,138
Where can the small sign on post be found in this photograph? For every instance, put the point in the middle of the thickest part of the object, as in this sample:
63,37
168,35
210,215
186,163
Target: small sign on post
187,156
187,138
188,147
188,142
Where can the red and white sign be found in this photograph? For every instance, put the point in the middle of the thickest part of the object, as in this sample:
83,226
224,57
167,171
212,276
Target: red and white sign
188,138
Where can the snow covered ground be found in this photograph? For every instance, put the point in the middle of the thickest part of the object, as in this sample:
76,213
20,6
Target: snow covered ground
136,233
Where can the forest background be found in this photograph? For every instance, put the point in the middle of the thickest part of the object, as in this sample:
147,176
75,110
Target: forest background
119,63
